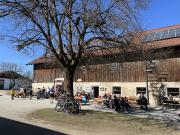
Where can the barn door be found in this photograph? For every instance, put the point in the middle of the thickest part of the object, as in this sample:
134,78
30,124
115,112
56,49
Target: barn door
96,91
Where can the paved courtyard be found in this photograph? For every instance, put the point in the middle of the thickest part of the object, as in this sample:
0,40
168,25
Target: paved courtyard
13,119
18,109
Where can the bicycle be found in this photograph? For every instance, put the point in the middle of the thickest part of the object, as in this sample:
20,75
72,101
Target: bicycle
67,104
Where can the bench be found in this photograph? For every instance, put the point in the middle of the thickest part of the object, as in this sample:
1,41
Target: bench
171,104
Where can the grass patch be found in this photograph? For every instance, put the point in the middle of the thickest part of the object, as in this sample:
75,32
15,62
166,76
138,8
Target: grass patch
104,123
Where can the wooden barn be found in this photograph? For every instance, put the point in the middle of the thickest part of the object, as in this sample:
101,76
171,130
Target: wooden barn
129,77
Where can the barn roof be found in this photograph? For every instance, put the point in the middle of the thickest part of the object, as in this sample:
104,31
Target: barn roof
162,37
9,74
42,59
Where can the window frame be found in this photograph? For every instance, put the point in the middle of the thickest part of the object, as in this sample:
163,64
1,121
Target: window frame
141,91
168,93
113,87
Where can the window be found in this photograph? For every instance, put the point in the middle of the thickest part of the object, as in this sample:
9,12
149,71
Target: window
116,90
151,37
144,39
140,90
173,91
157,35
171,33
164,34
177,32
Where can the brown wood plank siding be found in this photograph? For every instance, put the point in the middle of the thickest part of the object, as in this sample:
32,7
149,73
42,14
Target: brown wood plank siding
46,75
43,75
127,72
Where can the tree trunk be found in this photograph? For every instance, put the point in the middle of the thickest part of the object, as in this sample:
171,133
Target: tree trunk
69,76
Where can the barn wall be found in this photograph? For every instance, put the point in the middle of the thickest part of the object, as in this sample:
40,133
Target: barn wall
115,72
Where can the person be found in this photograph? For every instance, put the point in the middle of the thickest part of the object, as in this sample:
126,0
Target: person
38,93
43,92
57,91
84,99
105,96
127,105
12,93
144,102
139,99
24,93
30,94
116,103
170,98
61,90
122,104
106,102
52,94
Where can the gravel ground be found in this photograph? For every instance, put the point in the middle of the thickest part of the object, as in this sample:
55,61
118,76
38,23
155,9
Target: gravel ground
18,108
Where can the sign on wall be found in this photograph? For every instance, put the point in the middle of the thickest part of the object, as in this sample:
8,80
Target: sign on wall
103,89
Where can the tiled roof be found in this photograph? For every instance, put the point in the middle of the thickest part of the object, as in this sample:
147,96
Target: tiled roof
170,42
42,59
9,74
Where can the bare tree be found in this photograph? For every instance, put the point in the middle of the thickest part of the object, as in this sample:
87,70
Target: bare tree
5,66
28,74
71,29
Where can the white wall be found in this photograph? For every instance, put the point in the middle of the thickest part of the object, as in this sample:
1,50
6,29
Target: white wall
6,83
127,88
35,86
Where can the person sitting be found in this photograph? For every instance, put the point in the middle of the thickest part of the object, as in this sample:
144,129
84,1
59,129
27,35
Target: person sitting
106,101
144,102
84,99
170,98
127,105
109,96
88,96
105,96
122,104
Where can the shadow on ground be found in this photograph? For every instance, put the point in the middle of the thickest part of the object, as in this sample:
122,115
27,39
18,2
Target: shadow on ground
11,127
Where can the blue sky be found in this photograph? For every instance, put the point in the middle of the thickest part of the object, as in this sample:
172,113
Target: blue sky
161,13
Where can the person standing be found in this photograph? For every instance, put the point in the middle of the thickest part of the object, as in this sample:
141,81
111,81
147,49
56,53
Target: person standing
116,103
52,94
12,93
43,93
25,90
30,94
